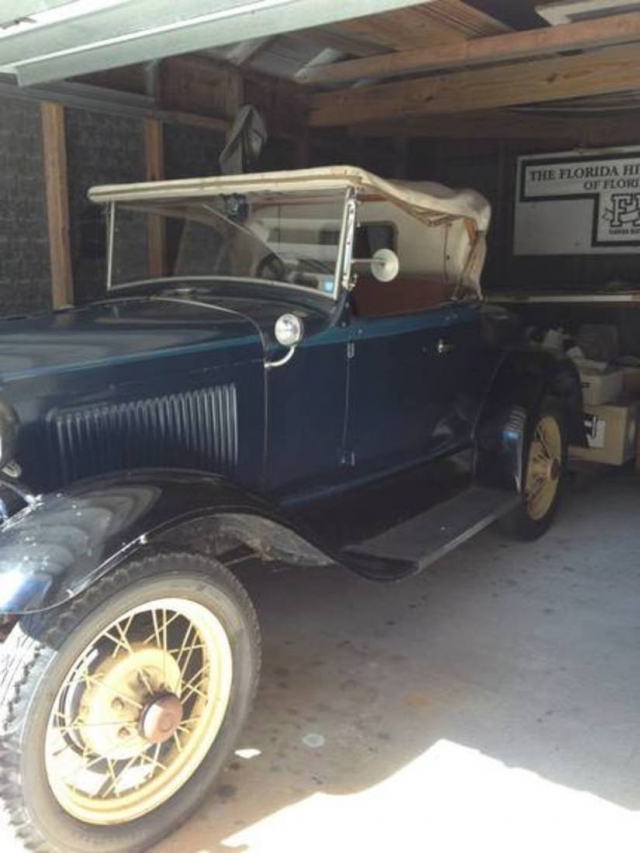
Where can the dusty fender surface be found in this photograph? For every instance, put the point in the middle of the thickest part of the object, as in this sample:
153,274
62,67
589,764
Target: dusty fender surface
55,549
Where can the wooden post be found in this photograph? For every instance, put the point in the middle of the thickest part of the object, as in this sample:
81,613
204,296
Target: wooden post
55,170
154,157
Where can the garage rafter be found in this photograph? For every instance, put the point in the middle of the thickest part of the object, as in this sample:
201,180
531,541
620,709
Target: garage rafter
426,25
612,70
618,29
394,69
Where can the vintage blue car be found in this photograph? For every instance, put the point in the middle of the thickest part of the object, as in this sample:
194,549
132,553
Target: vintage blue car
305,344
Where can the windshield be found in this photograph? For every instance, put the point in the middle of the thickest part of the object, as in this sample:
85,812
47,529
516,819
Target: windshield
284,238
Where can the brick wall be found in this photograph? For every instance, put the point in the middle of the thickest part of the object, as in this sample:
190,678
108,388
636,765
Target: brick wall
107,149
191,152
101,149
25,284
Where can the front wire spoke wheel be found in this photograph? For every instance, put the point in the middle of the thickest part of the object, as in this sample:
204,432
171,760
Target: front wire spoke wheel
138,711
120,708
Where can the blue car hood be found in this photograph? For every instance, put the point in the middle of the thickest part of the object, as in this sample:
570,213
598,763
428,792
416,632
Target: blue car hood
123,332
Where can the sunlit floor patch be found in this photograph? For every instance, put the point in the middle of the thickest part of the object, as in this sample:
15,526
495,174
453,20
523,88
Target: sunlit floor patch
451,798
490,705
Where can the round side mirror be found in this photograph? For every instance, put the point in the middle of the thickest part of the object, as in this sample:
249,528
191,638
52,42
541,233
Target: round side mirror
385,265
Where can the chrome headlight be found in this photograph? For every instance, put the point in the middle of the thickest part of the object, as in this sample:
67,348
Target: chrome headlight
289,330
9,425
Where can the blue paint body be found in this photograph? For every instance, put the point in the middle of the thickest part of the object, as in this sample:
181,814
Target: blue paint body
359,397
168,378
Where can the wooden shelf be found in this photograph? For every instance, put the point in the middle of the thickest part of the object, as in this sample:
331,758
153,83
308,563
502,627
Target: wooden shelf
564,298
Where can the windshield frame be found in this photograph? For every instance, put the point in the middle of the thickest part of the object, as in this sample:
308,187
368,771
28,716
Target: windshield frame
342,269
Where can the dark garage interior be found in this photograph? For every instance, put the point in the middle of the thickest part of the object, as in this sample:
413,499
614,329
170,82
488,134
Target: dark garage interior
454,405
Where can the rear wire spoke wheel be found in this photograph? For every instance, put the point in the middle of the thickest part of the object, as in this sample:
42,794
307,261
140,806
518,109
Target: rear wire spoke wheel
120,710
544,465
545,458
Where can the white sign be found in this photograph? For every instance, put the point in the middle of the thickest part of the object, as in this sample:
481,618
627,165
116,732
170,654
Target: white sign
574,204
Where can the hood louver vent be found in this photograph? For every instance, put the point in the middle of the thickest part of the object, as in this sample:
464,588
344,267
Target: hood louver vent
195,429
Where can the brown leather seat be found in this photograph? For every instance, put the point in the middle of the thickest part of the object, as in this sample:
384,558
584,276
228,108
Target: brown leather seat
373,298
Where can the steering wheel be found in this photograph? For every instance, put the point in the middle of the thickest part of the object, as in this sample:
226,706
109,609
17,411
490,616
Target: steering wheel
272,267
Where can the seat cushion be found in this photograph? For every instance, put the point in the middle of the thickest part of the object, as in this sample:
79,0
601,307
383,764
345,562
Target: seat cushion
372,298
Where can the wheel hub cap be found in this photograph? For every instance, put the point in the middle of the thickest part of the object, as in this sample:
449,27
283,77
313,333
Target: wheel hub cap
124,689
161,718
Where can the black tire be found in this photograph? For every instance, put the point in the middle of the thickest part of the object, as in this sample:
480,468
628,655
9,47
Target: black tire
520,524
36,659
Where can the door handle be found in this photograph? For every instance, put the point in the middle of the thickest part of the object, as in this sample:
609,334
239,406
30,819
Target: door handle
444,347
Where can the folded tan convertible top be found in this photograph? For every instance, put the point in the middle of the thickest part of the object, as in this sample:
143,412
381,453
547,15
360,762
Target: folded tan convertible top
422,197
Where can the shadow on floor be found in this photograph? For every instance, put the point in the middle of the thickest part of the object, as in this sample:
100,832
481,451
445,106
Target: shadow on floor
523,655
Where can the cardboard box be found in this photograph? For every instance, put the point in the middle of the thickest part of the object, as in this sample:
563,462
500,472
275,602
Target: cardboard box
611,433
600,384
631,381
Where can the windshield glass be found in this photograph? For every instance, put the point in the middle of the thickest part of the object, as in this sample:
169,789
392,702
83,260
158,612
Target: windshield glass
288,238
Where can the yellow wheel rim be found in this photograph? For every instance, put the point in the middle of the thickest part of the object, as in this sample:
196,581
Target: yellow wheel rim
544,466
138,711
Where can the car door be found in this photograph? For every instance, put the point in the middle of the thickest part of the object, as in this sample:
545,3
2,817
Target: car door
307,416
415,384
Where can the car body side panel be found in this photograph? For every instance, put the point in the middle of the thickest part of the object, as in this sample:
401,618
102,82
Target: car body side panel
306,416
171,382
135,382
409,398
306,395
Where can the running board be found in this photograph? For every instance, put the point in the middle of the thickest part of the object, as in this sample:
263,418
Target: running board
414,544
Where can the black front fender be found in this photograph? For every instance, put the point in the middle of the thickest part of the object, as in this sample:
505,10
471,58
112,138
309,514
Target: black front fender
56,548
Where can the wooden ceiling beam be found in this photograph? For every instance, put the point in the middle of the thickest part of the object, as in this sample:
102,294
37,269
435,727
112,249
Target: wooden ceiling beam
618,29
396,32
467,20
613,69
435,23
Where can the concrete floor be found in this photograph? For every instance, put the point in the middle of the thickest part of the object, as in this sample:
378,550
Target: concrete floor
491,703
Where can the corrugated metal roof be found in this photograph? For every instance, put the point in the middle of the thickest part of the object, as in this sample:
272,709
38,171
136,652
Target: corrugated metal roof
48,40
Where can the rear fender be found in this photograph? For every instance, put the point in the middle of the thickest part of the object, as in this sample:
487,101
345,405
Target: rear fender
524,378
62,543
